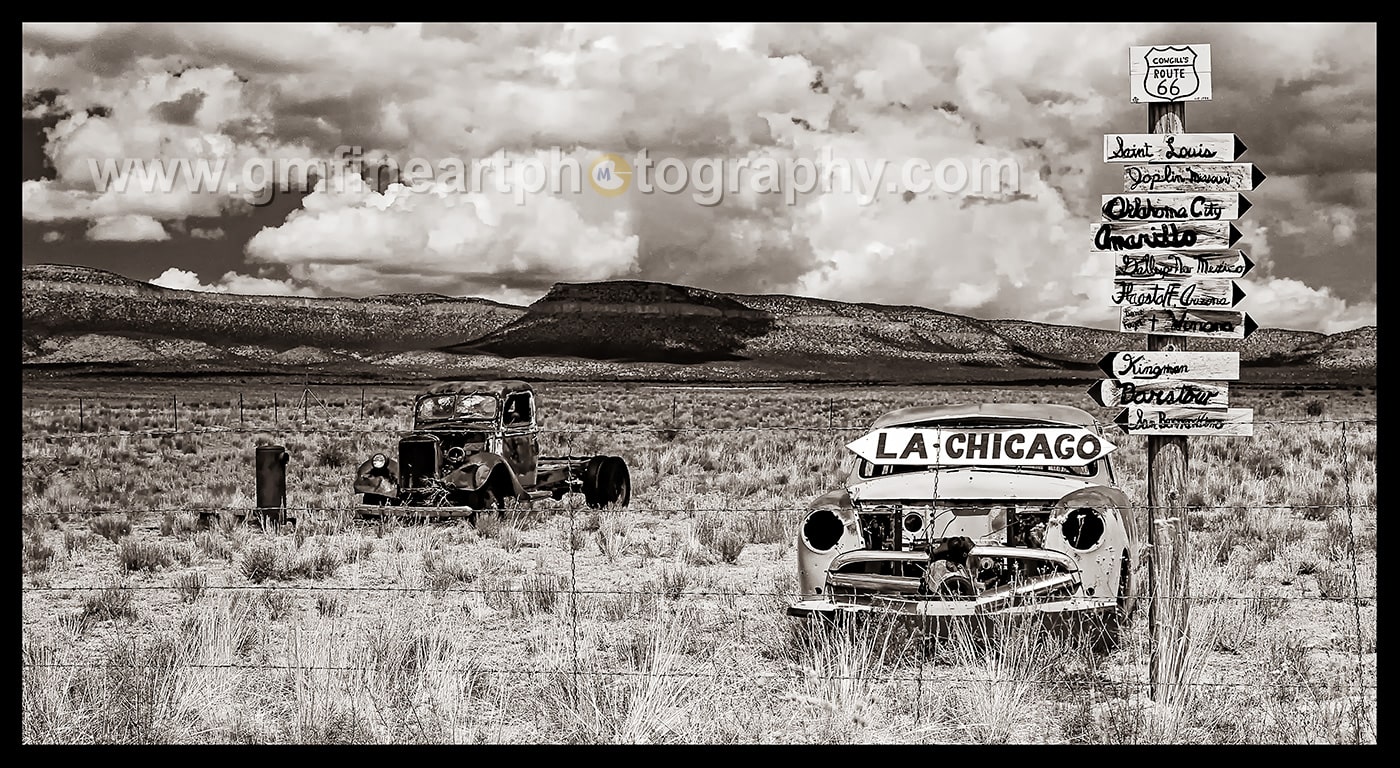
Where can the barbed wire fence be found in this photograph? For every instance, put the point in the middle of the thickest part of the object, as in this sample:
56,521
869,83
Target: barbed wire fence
50,430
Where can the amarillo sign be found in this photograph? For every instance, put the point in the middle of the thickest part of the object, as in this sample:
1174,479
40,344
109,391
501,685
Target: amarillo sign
1049,446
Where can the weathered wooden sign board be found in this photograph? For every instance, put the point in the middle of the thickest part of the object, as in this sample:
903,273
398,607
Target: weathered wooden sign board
1050,446
1171,236
1191,177
1174,206
1167,73
1172,147
1180,365
1237,422
1110,393
1209,323
1157,264
1177,293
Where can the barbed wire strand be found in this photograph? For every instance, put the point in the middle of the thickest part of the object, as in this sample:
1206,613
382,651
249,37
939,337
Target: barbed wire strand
419,512
799,674
667,593
51,435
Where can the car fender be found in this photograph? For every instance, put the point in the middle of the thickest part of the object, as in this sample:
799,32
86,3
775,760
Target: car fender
1101,562
839,498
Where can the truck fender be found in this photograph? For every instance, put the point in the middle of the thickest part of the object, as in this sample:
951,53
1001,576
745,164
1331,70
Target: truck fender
469,477
384,482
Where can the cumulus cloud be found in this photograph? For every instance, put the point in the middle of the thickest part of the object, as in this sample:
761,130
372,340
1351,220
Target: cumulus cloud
207,233
52,236
1040,95
128,228
231,282
444,241
1288,303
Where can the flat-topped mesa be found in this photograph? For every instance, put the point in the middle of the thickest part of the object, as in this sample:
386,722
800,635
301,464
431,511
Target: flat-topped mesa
638,297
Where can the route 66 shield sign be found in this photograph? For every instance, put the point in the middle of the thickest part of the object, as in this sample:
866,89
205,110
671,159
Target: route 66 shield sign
1167,73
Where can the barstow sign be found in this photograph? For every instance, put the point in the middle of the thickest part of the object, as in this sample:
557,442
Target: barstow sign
944,446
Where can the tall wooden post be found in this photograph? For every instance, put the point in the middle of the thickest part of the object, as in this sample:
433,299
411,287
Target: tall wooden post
1168,556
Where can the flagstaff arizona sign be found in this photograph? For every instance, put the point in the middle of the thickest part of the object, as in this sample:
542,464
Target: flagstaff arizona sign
1167,73
1174,206
1175,292
1171,147
1192,177
1157,264
1050,446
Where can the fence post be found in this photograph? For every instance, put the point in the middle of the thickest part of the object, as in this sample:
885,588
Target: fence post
270,465
175,409
274,406
362,403
80,414
240,408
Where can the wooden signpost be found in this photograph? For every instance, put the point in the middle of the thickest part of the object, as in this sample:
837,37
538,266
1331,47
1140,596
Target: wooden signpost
1177,293
1175,235
1111,393
1206,323
1166,378
1171,147
1174,206
1154,264
1154,366
1171,234
1186,421
1191,177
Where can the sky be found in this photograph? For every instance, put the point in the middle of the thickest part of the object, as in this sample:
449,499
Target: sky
744,104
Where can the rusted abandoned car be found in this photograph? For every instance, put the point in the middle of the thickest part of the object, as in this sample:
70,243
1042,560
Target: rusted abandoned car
474,445
974,510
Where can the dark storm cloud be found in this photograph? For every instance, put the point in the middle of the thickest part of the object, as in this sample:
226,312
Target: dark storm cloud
181,111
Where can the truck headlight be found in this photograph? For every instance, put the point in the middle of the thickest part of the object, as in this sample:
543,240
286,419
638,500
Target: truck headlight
378,461
483,473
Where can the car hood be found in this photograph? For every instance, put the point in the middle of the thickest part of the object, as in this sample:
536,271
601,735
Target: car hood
968,483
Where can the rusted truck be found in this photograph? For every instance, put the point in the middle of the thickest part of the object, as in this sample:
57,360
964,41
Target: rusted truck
975,511
474,445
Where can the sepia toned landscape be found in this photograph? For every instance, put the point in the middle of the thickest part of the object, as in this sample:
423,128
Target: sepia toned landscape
706,384
152,620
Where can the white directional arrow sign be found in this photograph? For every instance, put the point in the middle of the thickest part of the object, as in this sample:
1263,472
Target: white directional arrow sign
1050,446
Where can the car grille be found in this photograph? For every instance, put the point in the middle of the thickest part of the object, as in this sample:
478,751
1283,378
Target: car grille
917,520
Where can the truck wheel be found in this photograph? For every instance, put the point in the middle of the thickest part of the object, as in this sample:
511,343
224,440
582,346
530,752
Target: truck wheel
607,481
590,480
376,500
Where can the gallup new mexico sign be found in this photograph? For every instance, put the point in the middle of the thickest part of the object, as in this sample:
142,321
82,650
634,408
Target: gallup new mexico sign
1050,446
